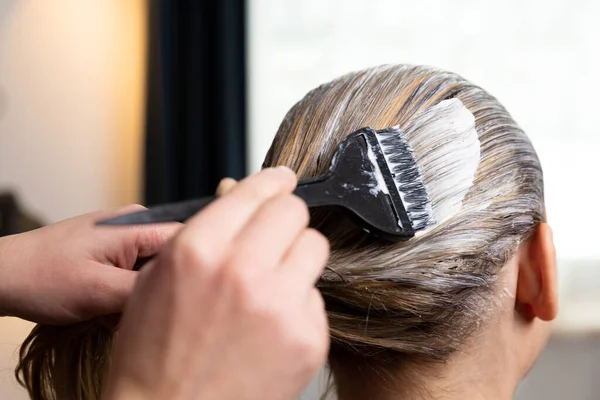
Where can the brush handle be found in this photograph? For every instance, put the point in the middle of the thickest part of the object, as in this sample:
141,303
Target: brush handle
315,192
186,209
172,212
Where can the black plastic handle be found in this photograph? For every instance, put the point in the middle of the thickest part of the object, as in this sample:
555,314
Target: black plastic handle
315,192
172,212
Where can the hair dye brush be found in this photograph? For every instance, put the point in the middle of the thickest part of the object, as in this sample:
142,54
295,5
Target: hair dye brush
373,176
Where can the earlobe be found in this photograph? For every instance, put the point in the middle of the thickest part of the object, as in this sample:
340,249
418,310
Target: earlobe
537,286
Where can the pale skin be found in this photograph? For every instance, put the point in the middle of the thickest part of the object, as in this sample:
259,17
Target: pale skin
227,310
229,307
71,271
492,364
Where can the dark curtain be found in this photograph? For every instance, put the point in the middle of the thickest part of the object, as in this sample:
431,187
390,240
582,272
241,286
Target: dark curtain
196,110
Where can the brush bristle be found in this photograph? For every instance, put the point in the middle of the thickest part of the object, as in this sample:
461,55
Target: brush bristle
407,176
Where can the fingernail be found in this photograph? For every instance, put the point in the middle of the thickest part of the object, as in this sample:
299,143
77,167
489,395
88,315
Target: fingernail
225,185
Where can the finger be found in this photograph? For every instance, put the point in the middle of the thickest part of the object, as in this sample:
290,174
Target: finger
305,261
214,228
107,290
316,307
318,316
150,239
271,232
316,302
225,186
123,247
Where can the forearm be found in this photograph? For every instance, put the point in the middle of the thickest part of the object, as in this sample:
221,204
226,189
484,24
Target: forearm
6,250
13,255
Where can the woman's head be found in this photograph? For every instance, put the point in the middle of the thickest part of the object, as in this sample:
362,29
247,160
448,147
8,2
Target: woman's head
465,296
401,306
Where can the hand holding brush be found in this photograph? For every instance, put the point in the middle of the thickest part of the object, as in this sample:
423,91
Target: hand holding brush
228,309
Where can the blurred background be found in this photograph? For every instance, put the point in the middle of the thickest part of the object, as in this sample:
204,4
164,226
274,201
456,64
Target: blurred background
104,103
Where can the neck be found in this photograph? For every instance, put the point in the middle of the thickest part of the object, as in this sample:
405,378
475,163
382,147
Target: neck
437,384
475,374
471,393
489,366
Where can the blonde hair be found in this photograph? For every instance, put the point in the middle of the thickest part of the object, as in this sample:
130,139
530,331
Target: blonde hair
66,363
387,303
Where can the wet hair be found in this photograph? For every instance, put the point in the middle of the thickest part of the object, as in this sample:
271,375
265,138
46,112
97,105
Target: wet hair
388,304
66,362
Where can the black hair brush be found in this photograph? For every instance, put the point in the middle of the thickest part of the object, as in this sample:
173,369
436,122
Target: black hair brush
373,175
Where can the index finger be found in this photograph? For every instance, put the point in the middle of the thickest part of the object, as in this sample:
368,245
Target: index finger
219,223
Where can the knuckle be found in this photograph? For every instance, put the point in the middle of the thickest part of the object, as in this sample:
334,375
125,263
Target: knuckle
298,208
317,242
312,350
238,281
257,306
150,240
243,288
285,175
319,303
291,210
263,189
191,253
270,182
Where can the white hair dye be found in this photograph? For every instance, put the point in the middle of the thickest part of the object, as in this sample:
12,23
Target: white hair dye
447,150
378,184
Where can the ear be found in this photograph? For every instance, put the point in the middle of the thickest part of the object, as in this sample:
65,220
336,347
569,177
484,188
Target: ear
537,286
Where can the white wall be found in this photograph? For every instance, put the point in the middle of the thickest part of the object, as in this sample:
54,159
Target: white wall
71,73
71,103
